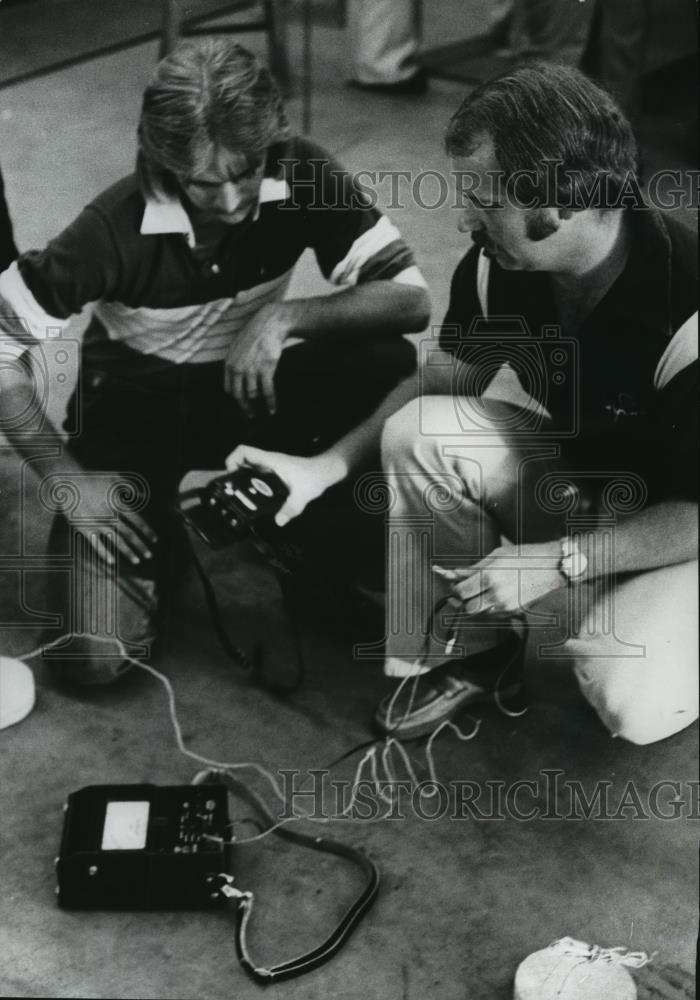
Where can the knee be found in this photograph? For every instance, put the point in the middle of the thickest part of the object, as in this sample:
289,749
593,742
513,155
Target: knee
400,435
94,660
634,707
420,431
642,678
88,664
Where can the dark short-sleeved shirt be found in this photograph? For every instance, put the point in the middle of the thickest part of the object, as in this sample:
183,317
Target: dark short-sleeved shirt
135,259
622,393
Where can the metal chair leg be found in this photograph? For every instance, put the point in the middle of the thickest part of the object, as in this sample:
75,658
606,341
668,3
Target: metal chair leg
274,12
171,27
275,26
307,68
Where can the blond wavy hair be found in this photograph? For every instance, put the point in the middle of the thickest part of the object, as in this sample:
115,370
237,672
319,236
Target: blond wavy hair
206,93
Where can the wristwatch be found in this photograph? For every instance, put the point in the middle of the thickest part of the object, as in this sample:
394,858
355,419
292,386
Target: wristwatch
573,564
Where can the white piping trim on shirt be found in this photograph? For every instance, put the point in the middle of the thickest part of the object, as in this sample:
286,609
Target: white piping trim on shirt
681,352
410,276
483,270
382,233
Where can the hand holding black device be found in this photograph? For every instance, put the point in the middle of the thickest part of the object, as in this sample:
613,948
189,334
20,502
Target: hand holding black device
234,506
226,507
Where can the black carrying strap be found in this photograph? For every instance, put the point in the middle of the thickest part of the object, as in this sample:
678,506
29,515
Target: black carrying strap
239,657
252,668
335,941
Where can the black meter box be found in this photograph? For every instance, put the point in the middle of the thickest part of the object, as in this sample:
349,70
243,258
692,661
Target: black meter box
142,847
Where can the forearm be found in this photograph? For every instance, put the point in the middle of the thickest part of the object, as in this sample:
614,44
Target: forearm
353,451
662,534
28,429
376,307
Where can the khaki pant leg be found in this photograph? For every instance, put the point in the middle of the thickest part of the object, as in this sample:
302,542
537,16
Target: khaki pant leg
649,690
460,485
384,39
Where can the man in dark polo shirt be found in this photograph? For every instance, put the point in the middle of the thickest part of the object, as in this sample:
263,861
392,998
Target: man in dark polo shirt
191,347
548,448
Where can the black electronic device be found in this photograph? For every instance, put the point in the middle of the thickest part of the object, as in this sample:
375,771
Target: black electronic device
143,847
230,504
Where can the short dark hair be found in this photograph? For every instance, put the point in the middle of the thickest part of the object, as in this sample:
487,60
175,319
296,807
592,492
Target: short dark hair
562,136
205,93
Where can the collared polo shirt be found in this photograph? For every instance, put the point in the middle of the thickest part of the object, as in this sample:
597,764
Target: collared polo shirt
136,260
623,392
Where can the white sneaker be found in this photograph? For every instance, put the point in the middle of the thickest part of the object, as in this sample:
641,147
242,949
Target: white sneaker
17,691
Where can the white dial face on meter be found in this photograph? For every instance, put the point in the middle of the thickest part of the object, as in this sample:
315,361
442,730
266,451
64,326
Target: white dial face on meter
126,826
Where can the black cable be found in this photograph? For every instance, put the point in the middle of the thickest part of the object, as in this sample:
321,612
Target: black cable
274,557
335,941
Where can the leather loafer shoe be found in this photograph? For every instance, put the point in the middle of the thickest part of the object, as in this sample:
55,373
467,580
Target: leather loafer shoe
437,697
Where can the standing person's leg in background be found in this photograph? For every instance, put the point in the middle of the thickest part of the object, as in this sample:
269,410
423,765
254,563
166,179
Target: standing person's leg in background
499,20
549,29
385,36
617,50
8,250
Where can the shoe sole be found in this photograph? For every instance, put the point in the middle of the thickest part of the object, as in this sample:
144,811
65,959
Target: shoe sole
412,732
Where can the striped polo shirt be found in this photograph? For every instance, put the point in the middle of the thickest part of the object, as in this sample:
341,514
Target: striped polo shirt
136,261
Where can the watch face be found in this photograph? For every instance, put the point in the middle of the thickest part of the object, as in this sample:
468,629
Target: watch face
574,565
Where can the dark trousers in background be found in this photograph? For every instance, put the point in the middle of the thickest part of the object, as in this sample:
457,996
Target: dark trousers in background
8,250
151,422
617,49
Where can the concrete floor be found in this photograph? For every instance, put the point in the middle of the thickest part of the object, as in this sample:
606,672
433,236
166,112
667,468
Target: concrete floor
462,902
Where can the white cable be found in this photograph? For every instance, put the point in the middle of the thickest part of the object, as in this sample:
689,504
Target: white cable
382,771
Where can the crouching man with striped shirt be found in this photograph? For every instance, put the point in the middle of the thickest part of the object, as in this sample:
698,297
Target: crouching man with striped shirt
191,348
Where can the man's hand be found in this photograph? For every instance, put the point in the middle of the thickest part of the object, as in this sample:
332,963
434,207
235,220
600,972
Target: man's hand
109,532
251,362
506,582
89,501
306,478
